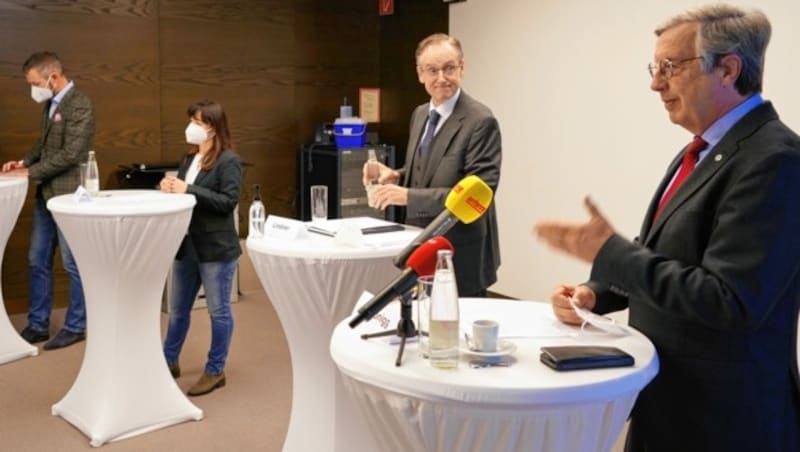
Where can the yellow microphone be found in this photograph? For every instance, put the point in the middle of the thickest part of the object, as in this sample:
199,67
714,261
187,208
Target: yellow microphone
466,202
469,199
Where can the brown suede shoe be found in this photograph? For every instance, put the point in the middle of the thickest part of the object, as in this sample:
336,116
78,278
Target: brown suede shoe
207,383
174,369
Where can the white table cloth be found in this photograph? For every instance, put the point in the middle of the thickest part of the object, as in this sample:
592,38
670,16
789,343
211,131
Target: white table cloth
313,284
124,242
527,407
12,197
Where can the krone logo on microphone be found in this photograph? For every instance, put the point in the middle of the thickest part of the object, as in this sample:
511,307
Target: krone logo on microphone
469,199
476,204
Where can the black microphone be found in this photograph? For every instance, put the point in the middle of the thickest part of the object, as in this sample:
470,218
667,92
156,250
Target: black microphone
421,263
466,202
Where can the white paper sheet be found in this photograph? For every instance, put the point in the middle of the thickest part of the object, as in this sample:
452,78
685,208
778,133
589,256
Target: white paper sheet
522,323
604,323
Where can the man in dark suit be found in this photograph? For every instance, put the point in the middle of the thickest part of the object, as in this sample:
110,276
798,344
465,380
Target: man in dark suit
451,137
53,164
714,277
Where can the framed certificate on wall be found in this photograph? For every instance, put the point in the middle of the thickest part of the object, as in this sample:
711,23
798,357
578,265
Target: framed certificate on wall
369,104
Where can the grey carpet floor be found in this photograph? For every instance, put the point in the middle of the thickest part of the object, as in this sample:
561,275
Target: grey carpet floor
251,413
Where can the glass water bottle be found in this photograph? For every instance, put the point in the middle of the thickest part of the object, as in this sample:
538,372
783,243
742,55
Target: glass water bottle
443,325
92,182
257,215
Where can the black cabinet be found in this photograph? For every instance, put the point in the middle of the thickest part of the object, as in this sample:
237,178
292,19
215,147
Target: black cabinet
143,175
340,171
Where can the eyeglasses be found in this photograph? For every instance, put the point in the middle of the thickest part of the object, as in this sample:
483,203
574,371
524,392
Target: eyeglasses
667,67
448,70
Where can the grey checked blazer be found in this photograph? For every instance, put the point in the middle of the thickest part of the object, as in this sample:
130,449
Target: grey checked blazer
54,161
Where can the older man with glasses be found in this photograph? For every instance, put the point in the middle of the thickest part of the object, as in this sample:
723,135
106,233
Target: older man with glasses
451,136
714,277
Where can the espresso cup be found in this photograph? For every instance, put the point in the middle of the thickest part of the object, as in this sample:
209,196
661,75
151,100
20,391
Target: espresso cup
484,335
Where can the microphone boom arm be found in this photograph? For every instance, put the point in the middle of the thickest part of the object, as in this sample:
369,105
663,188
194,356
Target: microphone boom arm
383,298
438,226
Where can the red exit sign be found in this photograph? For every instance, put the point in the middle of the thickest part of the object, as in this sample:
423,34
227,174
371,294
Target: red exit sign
385,7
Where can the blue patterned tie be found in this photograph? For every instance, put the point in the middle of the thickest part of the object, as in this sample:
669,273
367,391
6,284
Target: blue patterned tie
433,119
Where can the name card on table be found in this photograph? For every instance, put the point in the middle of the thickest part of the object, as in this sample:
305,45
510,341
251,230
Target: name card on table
284,228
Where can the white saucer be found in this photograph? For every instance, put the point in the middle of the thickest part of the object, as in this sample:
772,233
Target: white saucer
504,348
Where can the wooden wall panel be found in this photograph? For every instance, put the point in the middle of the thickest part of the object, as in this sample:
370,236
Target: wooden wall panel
110,50
337,52
238,53
412,21
279,67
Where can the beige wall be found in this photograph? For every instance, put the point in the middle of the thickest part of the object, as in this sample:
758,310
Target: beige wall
568,81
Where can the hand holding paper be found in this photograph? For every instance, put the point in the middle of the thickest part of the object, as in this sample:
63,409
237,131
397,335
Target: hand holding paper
604,323
563,298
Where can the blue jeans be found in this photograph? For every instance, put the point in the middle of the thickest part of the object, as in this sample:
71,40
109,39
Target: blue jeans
45,235
217,280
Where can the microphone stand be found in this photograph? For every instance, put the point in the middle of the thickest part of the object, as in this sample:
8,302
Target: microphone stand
405,327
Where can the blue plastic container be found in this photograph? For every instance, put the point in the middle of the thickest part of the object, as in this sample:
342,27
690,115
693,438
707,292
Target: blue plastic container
350,132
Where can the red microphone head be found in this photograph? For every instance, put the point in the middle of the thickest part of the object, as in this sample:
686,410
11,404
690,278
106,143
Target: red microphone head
423,259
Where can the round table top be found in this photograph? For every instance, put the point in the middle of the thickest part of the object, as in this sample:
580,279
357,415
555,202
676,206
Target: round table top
527,381
313,245
111,203
12,181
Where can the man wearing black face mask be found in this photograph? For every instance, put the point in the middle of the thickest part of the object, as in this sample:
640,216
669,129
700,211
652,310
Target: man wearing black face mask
53,166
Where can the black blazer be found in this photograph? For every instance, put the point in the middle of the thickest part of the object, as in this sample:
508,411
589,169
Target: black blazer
715,284
212,231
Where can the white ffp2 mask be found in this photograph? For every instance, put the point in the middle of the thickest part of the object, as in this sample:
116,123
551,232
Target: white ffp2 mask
40,94
196,134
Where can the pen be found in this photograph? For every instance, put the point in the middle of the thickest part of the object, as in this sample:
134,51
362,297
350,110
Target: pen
320,231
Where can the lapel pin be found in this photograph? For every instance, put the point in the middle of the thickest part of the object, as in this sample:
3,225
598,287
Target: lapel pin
718,157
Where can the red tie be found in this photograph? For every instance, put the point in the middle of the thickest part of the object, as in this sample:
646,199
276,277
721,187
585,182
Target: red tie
690,158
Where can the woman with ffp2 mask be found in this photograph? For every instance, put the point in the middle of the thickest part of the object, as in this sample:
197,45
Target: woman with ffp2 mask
212,172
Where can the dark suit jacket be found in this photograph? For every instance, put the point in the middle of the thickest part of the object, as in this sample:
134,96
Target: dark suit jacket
467,143
54,161
715,284
212,231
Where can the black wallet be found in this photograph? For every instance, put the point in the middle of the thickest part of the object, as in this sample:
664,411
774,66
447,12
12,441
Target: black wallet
575,357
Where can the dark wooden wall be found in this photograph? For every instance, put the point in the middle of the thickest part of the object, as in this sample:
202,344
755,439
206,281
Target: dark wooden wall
401,90
279,67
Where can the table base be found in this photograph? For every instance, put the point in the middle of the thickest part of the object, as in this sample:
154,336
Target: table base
12,345
108,429
399,422
124,387
12,196
323,418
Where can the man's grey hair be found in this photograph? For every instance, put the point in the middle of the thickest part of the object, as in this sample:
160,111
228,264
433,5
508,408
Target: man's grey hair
725,30
436,38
